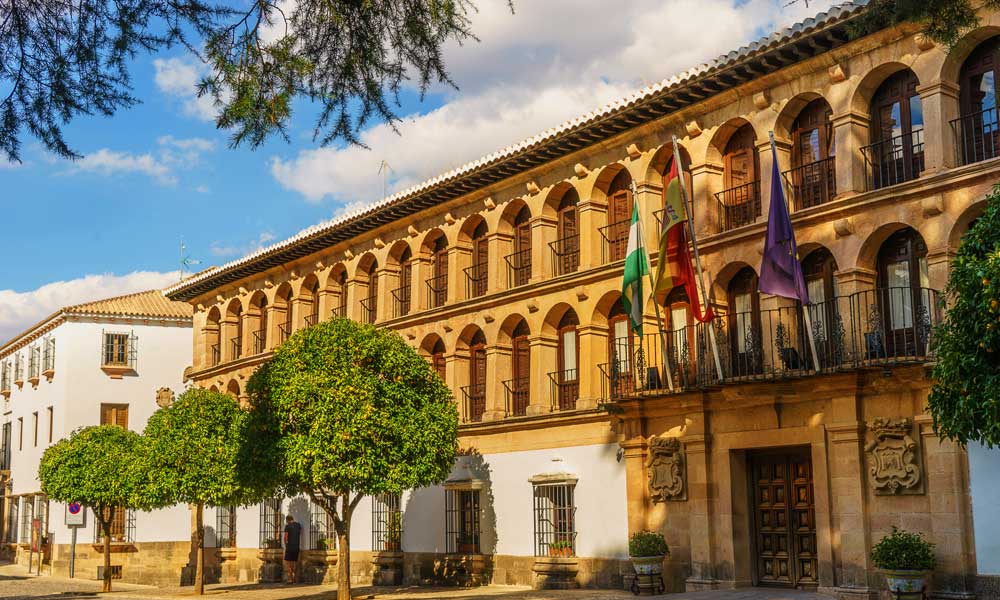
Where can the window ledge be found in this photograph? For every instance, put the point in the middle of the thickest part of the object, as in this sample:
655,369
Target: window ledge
5,393
116,547
19,383
49,374
33,381
117,371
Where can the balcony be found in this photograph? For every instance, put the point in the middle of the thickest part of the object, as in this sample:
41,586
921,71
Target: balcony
368,309
215,353
259,341
615,240
476,281
878,328
812,184
437,290
738,206
977,136
474,397
518,268
565,254
401,301
894,160
338,312
236,347
311,319
565,387
284,332
518,396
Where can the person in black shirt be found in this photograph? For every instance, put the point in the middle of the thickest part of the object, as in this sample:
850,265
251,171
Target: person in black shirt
293,536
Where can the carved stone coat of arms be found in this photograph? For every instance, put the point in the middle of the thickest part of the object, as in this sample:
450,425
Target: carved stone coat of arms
665,468
893,458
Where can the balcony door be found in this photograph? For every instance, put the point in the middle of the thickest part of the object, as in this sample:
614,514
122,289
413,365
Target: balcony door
520,369
896,153
619,215
477,377
741,198
903,297
744,324
621,352
812,176
567,377
980,131
824,311
567,247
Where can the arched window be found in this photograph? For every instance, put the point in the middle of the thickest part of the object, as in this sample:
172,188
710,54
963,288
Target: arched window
520,384
340,309
620,351
980,129
739,204
519,262
896,152
819,267
477,275
437,359
619,215
369,304
475,392
813,177
213,337
904,297
312,290
235,324
681,337
260,336
567,377
437,283
402,294
744,323
566,249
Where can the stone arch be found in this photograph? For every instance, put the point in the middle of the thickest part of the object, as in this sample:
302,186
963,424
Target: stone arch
615,174
468,335
336,277
233,389
660,162
430,241
366,266
214,388
867,257
555,198
861,98
214,316
399,252
603,306
257,302
791,109
717,145
550,325
310,288
470,226
510,214
509,324
283,295
964,222
234,308
952,64
430,342
720,284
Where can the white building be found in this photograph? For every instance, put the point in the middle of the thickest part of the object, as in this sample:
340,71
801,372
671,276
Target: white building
88,364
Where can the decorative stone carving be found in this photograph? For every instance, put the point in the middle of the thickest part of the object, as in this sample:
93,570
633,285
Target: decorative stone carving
449,218
762,100
893,458
666,471
924,42
379,243
412,231
843,227
693,128
164,397
580,170
532,187
489,203
633,151
836,73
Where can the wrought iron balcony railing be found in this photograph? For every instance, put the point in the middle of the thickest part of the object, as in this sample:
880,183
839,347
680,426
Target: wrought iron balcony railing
565,389
615,240
216,354
738,206
401,301
368,309
518,391
476,281
977,136
475,402
259,341
236,347
284,332
894,160
518,268
565,254
812,184
437,290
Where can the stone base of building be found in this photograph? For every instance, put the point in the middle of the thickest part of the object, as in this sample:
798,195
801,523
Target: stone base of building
387,568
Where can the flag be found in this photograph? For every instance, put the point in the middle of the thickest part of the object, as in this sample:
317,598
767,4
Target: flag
780,270
636,267
674,268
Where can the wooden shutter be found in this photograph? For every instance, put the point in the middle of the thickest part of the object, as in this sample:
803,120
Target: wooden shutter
522,237
621,207
521,358
478,371
438,364
114,414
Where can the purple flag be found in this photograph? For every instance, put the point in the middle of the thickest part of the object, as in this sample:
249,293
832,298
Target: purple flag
780,270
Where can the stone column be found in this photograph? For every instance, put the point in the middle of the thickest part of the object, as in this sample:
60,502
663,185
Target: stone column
543,231
388,282
939,100
457,375
543,353
706,179
300,308
593,247
637,491
850,134
459,258
420,295
700,500
498,370
593,344
500,246
355,292
274,316
938,266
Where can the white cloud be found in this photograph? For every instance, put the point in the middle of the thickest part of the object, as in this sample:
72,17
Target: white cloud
202,189
222,250
20,310
549,62
160,164
178,77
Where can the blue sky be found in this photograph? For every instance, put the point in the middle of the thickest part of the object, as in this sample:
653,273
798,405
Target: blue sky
160,173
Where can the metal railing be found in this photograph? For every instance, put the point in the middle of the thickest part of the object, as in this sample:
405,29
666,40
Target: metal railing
284,332
565,389
518,392
476,280
518,268
216,354
401,301
311,319
369,307
894,160
338,312
615,240
475,402
259,341
236,347
739,205
437,290
565,255
977,136
812,184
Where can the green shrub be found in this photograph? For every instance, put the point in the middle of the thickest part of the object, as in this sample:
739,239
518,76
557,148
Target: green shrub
902,550
647,543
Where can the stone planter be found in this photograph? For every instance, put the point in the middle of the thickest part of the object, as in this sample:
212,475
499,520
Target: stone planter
555,573
270,565
906,583
387,568
466,569
319,566
648,575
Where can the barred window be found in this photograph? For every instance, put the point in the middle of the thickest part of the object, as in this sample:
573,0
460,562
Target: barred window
42,512
270,523
462,521
5,375
122,526
11,529
225,526
119,349
34,360
555,522
48,355
27,507
322,534
18,369
387,523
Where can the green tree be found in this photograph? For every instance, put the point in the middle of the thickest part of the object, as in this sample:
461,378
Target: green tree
965,397
198,451
943,20
355,411
99,467
63,58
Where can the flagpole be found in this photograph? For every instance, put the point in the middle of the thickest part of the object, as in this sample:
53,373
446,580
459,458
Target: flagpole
805,310
652,286
697,258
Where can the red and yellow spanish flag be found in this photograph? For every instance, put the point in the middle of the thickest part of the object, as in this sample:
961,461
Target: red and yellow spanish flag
674,265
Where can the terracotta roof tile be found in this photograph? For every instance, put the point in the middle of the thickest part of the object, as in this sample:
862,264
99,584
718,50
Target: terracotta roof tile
151,303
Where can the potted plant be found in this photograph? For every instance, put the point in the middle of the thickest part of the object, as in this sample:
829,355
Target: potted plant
906,558
561,549
647,549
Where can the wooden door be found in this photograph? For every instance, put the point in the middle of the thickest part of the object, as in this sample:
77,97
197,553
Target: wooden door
619,222
568,247
784,519
480,263
477,381
439,287
522,253
521,363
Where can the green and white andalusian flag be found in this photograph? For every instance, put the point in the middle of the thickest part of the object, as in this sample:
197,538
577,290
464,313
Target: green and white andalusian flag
636,267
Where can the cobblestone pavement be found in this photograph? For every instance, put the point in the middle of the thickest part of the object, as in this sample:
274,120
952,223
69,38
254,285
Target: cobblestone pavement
17,584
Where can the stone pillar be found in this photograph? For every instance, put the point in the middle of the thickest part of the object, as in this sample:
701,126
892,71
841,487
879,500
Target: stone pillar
419,294
543,231
850,134
593,247
938,266
498,370
459,259
543,353
700,500
300,308
274,317
706,179
457,375
939,100
593,351
355,292
500,245
637,491
388,282
327,300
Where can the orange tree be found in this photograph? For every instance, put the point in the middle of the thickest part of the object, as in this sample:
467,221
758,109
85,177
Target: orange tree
353,411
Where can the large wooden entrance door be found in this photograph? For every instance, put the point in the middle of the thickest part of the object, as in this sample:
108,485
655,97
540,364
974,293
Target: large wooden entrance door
784,518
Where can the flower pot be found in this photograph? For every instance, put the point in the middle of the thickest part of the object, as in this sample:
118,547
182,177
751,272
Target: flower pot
648,575
560,552
466,548
906,583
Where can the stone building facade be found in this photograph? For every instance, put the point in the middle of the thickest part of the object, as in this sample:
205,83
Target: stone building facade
780,466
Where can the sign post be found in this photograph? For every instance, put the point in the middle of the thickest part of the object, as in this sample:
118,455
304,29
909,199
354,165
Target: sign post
76,518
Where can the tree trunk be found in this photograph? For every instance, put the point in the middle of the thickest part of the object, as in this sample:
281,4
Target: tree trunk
344,562
199,560
106,528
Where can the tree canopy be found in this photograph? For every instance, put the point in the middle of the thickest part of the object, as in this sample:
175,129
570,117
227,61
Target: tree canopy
63,58
943,20
355,411
965,398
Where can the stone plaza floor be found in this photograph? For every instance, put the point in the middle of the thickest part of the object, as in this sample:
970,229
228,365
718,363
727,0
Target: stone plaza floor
17,584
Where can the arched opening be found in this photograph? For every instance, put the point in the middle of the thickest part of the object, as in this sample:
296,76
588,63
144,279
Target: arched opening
403,294
615,233
368,269
567,377
437,359
519,260
309,298
283,311
896,151
519,386
436,248
904,308
744,323
234,325
979,126
813,176
213,336
739,203
477,274
337,287
621,351
825,310
566,247
258,311
681,337
474,394
233,389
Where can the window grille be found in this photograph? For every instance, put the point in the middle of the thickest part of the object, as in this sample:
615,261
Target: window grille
5,376
119,349
555,522
42,512
270,523
462,521
225,526
18,368
122,527
322,534
387,523
5,449
26,515
34,358
12,521
49,355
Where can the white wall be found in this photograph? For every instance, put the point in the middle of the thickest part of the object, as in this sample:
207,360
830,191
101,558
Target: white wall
984,475
248,523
